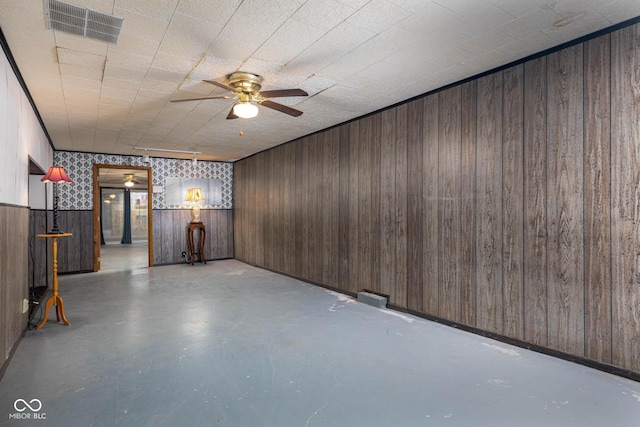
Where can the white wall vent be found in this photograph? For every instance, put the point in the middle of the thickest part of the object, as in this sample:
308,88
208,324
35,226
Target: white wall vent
83,22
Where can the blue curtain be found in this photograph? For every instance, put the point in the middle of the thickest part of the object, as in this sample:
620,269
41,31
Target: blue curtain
101,205
126,232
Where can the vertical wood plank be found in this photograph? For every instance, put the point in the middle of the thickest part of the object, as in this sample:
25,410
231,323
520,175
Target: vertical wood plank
565,274
414,206
279,225
213,241
270,237
625,197
430,198
374,150
364,223
353,282
489,204
230,233
330,203
337,194
210,220
467,269
314,208
300,255
597,198
238,196
388,202
158,219
37,249
288,156
252,213
399,295
449,202
262,205
513,203
344,254
535,201
178,234
86,231
245,240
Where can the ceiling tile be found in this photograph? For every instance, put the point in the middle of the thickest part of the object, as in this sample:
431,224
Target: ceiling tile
291,39
323,15
163,9
378,15
332,46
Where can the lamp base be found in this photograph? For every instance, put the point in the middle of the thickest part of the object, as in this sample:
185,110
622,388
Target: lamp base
195,214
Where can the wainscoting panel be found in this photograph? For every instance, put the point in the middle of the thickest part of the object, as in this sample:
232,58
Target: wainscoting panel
75,253
14,283
170,234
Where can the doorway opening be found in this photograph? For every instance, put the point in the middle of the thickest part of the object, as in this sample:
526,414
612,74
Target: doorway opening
122,217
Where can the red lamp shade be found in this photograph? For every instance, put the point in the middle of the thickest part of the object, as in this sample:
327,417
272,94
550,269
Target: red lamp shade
56,174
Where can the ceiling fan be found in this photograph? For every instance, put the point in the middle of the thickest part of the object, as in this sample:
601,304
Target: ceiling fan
118,180
246,89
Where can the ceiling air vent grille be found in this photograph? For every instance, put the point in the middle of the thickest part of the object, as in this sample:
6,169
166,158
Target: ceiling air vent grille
83,22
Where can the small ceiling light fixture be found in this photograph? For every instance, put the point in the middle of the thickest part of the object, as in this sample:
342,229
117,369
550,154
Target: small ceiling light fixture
128,181
195,159
145,158
112,196
245,110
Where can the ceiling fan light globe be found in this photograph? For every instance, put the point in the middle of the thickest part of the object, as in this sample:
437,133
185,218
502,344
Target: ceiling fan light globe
245,110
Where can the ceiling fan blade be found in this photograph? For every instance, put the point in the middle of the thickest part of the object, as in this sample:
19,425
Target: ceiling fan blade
280,93
282,108
231,114
200,99
222,85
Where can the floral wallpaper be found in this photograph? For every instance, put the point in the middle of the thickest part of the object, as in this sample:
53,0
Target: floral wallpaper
79,166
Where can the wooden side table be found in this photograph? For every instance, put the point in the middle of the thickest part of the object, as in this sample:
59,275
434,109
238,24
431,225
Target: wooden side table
192,251
54,299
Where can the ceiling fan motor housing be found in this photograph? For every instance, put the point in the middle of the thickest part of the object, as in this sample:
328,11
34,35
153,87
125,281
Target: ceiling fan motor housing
246,82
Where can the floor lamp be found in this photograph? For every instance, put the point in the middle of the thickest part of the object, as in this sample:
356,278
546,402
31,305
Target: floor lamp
56,174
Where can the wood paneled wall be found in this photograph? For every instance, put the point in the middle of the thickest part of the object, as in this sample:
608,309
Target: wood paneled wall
508,203
75,253
14,269
170,234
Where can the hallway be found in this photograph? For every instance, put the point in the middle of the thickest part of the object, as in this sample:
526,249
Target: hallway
232,345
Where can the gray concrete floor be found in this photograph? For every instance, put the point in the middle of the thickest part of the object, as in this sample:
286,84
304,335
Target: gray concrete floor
116,256
226,344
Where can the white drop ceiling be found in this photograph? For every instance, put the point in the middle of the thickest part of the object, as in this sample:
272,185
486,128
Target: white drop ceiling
353,57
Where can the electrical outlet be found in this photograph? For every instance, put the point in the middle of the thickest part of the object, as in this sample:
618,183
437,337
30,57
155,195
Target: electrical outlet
25,305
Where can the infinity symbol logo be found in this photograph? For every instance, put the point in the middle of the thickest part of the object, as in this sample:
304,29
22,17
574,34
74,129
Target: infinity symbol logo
37,405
